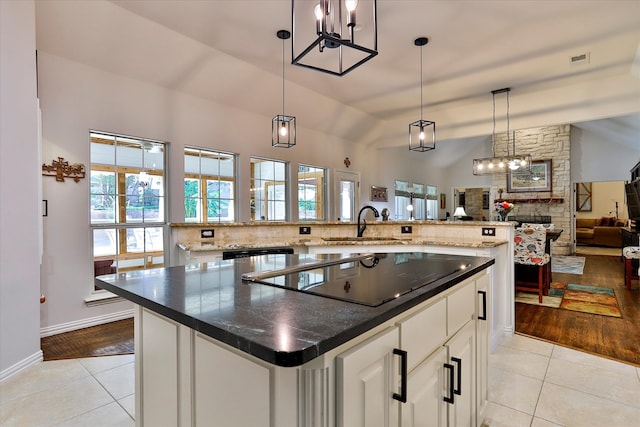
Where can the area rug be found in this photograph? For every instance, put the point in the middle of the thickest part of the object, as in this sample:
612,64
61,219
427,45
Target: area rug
576,297
567,264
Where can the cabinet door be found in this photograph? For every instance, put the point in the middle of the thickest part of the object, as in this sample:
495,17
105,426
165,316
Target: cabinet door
462,356
365,383
426,387
483,309
461,307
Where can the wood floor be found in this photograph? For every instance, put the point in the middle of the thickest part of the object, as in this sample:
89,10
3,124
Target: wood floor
102,340
610,337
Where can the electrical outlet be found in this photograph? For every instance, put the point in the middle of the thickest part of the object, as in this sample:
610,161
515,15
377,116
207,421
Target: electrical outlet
406,229
305,230
488,231
206,234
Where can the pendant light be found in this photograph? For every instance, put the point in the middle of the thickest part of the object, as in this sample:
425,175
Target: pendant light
422,133
324,34
283,127
508,162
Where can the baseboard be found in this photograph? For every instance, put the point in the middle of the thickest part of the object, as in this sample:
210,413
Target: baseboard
85,323
15,369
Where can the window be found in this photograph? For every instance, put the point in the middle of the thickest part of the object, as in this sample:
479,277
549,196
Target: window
311,193
422,198
209,186
127,202
268,190
432,202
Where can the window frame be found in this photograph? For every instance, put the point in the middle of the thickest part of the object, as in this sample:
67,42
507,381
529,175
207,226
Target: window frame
122,226
321,192
203,196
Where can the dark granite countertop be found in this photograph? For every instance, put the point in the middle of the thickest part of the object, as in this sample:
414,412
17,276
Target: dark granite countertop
280,326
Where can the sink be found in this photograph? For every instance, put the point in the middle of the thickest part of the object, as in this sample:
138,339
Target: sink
359,239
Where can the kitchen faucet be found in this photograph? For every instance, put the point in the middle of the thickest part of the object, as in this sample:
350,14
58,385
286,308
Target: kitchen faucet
364,222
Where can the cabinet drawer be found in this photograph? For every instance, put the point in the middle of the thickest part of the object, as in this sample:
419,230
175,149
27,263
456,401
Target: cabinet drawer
421,333
461,306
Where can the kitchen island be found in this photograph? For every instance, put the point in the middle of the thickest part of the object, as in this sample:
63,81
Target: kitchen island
212,349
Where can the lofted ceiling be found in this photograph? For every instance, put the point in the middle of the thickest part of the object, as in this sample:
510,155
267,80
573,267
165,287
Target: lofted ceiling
227,51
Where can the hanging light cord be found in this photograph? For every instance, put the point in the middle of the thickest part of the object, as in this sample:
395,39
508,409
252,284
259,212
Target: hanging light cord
508,131
421,83
283,77
493,137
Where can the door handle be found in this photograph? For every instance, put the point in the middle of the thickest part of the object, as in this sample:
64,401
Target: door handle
450,398
402,397
458,362
484,305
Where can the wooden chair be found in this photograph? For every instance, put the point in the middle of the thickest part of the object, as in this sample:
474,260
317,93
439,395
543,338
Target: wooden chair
529,250
630,253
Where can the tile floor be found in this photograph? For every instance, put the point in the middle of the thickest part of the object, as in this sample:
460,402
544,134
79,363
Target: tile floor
532,383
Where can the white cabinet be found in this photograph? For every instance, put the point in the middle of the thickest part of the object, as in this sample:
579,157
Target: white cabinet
366,381
425,406
437,342
462,360
397,374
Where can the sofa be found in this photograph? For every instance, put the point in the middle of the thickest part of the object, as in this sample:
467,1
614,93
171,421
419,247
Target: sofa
603,231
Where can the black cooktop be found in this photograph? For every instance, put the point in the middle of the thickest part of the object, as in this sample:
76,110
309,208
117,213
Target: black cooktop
369,279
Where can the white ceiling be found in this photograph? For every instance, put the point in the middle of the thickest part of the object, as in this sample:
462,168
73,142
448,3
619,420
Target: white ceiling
227,51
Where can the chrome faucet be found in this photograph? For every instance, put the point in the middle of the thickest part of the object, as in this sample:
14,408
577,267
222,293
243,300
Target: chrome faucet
364,222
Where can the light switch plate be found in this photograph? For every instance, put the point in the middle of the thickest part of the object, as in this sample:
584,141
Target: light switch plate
406,229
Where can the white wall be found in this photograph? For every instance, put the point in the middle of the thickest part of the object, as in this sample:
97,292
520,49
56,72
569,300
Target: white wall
596,158
76,98
19,186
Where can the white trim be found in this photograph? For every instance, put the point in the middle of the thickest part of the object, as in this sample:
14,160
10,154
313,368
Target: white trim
85,323
25,363
102,297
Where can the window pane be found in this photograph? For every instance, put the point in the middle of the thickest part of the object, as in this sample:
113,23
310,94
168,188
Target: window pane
214,173
311,192
104,242
268,190
103,200
192,201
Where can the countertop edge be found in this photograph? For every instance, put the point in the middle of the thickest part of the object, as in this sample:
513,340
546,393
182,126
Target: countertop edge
304,355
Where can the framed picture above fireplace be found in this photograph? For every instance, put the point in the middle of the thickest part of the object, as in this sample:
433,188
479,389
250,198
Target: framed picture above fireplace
537,179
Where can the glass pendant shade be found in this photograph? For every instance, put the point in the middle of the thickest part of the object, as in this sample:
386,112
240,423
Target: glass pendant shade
333,36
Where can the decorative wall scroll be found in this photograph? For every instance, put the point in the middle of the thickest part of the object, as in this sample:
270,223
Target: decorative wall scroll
378,194
61,169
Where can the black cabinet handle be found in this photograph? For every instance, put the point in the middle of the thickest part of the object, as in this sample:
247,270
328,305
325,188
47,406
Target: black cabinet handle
450,398
484,305
402,397
459,381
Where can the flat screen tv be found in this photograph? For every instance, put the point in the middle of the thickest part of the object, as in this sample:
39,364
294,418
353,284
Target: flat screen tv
632,190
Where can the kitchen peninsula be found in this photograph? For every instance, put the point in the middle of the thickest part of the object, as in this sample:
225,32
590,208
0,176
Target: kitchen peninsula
214,348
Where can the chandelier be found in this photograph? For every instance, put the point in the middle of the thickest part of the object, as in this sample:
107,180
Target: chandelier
509,162
333,36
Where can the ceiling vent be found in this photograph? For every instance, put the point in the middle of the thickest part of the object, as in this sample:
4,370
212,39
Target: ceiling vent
583,58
